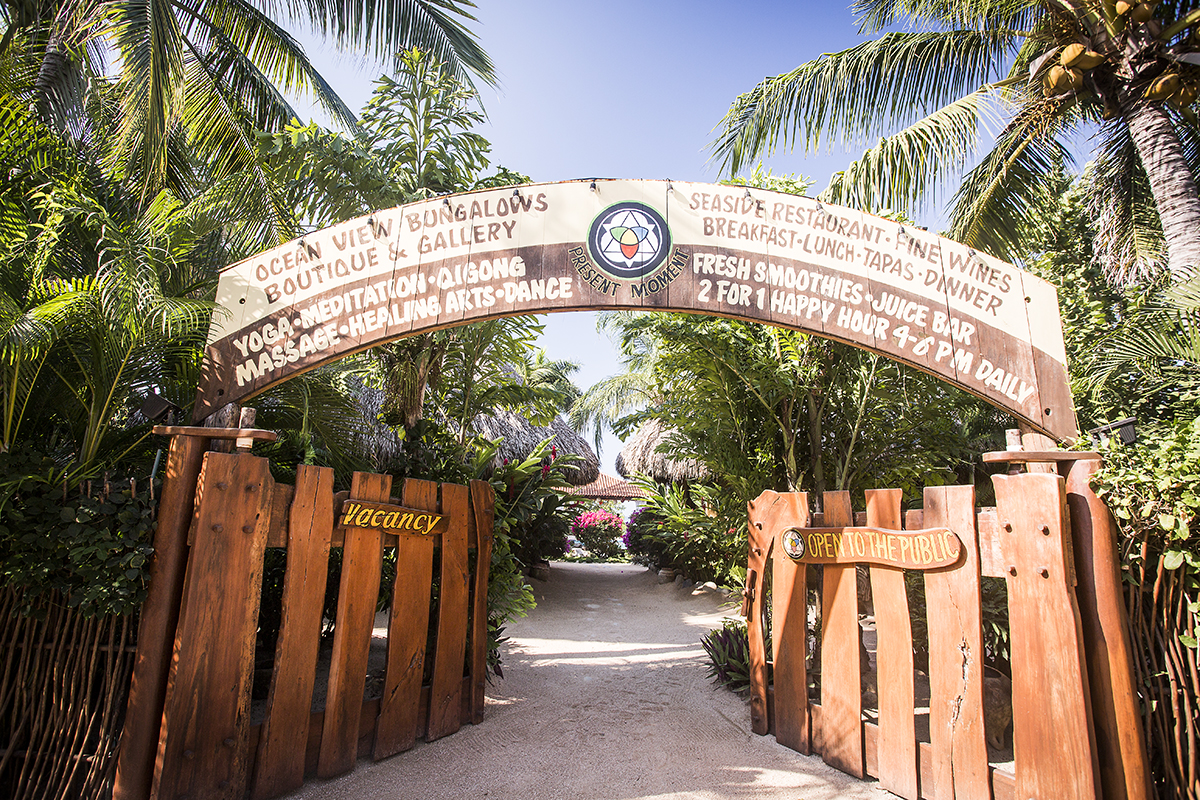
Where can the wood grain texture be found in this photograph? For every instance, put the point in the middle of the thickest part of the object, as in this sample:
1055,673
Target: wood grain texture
841,737
203,747
789,618
759,545
957,733
158,620
448,665
897,756
1053,738
280,764
1121,745
483,513
362,559
408,628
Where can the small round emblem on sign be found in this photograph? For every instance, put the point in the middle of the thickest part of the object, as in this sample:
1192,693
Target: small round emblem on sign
629,240
793,543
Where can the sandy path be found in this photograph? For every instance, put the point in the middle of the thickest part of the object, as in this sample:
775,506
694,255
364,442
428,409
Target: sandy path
605,697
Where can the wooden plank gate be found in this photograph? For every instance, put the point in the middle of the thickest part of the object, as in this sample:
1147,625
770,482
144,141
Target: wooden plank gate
188,730
1075,719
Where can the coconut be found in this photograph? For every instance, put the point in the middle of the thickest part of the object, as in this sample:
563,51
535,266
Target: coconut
1163,87
1186,95
1142,12
1058,79
1070,54
1123,7
1074,79
1089,60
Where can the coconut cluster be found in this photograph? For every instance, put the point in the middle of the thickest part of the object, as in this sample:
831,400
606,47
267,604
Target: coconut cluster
1076,60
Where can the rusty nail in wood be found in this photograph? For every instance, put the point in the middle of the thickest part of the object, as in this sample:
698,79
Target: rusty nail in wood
222,486
218,528
228,741
1012,570
758,525
250,487
1045,572
758,551
189,754
1008,526
1046,530
247,528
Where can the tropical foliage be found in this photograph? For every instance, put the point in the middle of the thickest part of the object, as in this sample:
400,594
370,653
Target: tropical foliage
935,77
601,532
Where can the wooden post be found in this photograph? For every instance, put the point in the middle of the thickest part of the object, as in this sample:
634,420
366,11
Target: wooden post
897,749
789,621
483,512
203,746
158,620
759,546
1122,746
1053,736
280,763
954,603
840,737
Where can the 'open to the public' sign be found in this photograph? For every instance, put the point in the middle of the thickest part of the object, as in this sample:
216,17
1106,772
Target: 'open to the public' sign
389,518
921,549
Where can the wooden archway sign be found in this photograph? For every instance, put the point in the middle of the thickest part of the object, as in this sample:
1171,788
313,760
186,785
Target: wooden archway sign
978,323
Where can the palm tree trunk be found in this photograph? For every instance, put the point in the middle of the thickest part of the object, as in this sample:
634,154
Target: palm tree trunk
1171,181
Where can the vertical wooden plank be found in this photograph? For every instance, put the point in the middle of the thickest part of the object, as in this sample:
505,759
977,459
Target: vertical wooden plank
362,559
953,600
280,764
408,629
759,550
203,749
158,620
841,673
897,754
1053,737
445,703
1121,745
483,511
790,625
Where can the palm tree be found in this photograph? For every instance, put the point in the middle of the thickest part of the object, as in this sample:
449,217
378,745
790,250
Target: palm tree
197,80
1045,72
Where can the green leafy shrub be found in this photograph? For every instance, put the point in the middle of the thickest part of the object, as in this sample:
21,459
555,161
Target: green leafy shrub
642,543
600,532
1153,490
702,530
93,549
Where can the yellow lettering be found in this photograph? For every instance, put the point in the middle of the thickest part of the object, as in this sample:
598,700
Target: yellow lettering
433,521
905,548
362,518
926,550
390,520
891,546
814,544
376,517
406,521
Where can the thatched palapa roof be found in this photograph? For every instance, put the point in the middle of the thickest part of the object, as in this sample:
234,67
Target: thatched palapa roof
521,436
644,455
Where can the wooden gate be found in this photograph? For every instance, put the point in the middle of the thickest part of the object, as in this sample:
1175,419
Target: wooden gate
188,730
1075,723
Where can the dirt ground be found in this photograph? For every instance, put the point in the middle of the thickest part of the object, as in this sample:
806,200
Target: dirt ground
605,697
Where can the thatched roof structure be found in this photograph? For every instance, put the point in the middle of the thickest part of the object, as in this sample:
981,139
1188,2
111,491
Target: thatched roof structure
608,487
521,436
643,455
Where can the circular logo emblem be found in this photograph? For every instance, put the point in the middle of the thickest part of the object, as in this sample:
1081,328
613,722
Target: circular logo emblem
629,240
793,543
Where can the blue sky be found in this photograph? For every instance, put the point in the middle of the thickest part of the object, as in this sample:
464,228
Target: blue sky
625,89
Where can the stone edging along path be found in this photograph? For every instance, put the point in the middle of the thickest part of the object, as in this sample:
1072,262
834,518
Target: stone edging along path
605,697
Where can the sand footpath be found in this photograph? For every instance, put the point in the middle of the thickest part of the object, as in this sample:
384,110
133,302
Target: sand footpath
605,697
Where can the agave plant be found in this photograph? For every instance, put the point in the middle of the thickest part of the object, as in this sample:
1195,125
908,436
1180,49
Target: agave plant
728,649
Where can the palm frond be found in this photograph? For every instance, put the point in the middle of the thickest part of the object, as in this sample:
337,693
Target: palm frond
844,97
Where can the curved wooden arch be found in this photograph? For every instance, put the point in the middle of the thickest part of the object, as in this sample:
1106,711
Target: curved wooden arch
978,323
